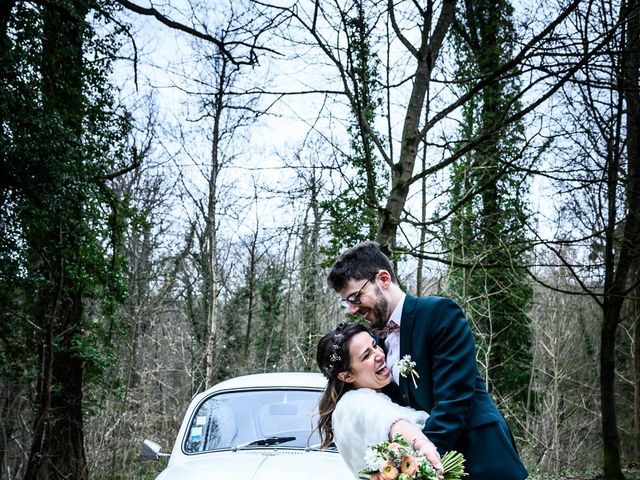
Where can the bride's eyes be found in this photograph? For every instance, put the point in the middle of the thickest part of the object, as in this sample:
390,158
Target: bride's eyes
366,354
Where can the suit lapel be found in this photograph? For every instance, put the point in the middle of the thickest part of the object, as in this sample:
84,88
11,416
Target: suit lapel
393,392
406,333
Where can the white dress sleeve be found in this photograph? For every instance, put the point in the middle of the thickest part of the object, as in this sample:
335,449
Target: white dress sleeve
363,417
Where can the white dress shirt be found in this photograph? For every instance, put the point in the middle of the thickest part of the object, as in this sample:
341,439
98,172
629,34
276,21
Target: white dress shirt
392,342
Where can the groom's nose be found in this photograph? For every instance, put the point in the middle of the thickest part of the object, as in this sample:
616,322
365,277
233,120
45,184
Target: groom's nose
353,309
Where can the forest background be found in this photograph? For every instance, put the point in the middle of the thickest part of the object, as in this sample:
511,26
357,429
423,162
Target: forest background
177,177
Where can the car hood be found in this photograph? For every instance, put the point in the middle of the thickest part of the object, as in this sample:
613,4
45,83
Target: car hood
265,464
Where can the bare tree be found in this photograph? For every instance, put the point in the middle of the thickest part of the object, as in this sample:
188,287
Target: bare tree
563,433
152,265
636,363
226,109
243,48
601,182
426,114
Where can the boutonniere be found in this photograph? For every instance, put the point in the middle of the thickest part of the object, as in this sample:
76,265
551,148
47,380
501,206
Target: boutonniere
407,367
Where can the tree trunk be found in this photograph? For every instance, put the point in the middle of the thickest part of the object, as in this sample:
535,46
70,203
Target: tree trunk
610,438
66,453
636,365
310,274
211,223
402,170
251,283
617,276
57,449
43,389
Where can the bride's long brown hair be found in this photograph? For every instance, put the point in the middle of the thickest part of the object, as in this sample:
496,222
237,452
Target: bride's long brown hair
332,357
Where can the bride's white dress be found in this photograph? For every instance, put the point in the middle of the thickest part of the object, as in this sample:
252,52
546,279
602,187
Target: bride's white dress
363,417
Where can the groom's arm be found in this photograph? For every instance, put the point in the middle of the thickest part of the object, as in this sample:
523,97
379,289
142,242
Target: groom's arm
452,348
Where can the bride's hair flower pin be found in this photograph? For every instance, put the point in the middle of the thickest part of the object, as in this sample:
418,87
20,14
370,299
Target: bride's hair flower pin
334,357
406,367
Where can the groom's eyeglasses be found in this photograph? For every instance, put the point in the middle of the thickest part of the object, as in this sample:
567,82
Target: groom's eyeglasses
354,298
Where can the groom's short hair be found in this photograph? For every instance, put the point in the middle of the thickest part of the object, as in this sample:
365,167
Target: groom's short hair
358,263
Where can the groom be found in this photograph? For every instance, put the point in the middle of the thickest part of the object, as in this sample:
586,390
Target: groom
435,333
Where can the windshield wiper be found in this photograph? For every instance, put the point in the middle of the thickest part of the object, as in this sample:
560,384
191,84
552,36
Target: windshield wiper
318,447
265,442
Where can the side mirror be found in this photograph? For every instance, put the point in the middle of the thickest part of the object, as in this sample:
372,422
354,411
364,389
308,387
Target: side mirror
152,450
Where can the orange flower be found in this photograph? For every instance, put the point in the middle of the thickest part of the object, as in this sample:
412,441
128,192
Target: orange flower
408,465
375,476
388,471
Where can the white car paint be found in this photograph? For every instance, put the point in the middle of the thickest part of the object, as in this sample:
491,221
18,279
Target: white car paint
239,461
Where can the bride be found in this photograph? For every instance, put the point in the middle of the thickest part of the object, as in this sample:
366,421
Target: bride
355,410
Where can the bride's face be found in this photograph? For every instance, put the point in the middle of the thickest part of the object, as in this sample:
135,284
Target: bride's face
368,365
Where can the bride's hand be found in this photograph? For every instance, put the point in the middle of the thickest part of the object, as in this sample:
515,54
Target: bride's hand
420,443
429,450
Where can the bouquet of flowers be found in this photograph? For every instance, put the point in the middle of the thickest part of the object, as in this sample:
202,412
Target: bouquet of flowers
396,460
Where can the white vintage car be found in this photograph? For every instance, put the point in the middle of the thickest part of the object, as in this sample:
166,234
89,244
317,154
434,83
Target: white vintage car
258,427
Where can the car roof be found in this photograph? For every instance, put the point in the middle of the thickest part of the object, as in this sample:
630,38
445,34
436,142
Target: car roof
269,380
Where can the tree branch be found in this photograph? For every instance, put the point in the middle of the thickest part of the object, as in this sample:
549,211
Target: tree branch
223,46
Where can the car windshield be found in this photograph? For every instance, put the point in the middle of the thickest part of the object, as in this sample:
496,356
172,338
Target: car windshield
255,419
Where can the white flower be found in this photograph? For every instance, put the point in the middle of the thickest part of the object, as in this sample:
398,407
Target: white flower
372,459
406,367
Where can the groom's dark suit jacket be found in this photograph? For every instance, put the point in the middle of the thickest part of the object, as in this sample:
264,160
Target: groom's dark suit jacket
435,332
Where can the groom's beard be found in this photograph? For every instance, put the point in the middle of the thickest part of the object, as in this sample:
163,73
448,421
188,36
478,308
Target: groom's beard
379,312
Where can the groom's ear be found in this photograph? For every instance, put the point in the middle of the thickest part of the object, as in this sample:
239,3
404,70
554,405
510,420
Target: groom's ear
345,377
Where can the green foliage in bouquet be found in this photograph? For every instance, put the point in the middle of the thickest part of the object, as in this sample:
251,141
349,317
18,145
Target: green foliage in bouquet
397,460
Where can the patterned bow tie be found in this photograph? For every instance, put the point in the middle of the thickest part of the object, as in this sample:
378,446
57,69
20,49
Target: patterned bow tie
391,326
